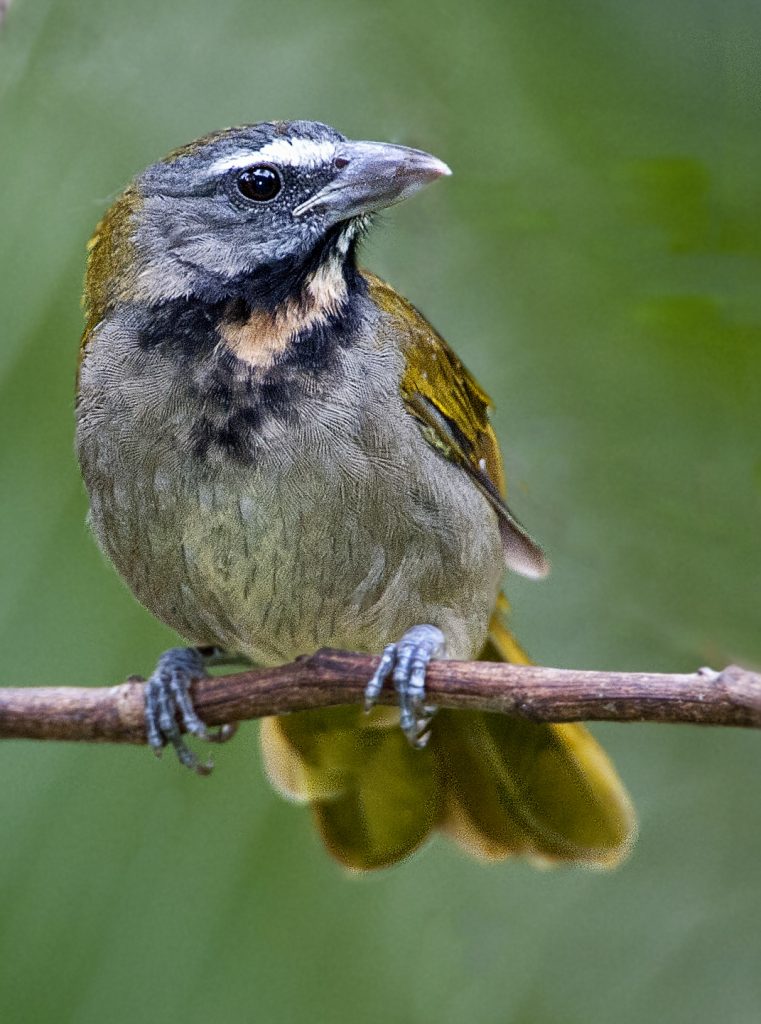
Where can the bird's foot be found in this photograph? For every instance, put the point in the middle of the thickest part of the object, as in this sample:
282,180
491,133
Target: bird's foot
407,661
169,708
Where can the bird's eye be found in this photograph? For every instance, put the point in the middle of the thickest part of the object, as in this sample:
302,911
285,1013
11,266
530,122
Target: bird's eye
260,183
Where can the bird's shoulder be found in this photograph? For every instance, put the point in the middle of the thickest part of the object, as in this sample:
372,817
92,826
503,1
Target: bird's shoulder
438,389
452,410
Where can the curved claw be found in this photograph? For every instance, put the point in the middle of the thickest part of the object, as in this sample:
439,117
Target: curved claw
408,660
224,733
168,704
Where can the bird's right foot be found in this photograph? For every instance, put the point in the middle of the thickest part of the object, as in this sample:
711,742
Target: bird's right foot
169,708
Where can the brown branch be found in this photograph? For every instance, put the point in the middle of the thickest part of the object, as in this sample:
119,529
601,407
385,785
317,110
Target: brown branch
115,714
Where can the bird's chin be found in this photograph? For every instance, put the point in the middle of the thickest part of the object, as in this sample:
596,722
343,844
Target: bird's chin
352,230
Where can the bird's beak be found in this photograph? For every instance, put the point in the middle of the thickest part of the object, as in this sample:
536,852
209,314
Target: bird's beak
370,176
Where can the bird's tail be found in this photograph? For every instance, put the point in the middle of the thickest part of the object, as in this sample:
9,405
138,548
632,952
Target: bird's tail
496,785
374,798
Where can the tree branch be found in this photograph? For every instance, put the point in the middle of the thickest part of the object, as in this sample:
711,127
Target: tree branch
327,678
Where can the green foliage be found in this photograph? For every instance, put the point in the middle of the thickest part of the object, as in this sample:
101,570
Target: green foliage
595,261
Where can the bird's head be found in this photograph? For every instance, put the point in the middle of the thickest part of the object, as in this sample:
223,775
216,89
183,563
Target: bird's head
260,212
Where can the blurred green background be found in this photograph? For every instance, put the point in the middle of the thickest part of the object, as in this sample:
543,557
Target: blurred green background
595,260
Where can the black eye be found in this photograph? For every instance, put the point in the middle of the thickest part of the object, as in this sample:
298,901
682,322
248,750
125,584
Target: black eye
260,183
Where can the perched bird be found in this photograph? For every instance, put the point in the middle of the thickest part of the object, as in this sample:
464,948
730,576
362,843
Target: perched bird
282,454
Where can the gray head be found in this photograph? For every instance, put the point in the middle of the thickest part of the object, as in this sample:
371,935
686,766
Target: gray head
262,203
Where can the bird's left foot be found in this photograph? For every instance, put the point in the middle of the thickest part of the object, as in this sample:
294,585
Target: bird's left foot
407,662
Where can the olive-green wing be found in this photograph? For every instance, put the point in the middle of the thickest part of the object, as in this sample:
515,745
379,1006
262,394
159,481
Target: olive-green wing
453,412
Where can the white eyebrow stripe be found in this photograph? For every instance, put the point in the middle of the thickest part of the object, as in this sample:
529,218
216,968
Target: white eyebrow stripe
297,152
293,152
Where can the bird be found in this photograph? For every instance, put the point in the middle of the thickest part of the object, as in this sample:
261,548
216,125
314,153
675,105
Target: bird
282,454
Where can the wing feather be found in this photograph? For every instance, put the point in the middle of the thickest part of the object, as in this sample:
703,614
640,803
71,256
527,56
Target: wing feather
453,412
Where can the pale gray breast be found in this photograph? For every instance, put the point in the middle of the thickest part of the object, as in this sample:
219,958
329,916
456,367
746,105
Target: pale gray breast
342,528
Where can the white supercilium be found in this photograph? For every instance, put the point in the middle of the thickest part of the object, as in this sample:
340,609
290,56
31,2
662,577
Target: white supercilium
291,152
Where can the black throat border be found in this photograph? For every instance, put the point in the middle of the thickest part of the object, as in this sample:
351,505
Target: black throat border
232,399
